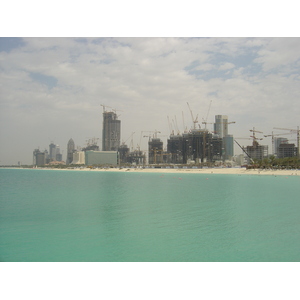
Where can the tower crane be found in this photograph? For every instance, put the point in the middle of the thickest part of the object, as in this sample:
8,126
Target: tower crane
228,123
205,121
154,135
244,150
194,120
170,126
273,135
297,131
184,127
113,109
254,137
123,143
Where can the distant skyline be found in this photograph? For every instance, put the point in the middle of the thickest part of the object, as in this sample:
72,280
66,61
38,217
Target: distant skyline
52,88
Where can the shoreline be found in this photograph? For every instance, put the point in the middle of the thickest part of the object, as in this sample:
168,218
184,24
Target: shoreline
224,171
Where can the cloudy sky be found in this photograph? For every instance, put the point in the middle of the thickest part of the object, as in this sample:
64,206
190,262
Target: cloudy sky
52,88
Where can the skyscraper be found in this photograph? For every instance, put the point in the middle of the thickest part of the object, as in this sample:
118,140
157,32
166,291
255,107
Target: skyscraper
221,129
111,132
58,156
70,151
221,125
52,151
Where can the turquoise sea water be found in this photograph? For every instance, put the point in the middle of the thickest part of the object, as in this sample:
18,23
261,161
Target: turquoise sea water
48,215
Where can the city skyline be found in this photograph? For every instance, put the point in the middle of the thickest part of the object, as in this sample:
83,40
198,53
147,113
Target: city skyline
53,88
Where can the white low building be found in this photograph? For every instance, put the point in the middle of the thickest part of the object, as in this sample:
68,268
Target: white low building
78,158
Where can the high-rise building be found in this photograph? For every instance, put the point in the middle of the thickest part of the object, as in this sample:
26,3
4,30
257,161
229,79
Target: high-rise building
39,158
257,151
111,132
277,142
221,129
221,125
155,147
58,156
228,147
52,151
287,150
70,151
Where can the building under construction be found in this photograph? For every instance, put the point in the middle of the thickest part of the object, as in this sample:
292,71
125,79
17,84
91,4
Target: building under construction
111,132
135,157
257,151
287,150
155,148
196,146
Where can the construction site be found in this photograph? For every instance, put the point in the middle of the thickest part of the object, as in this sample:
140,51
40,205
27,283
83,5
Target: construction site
196,146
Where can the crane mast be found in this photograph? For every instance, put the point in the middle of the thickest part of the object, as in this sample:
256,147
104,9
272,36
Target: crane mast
194,120
297,131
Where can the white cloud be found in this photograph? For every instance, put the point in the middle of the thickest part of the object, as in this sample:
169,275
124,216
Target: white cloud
226,66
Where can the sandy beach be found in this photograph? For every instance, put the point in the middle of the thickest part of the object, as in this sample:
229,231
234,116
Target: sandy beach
233,171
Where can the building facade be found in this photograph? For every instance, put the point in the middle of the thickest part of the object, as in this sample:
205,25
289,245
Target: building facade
40,159
78,158
70,151
228,147
277,142
155,148
52,152
287,150
221,125
111,132
101,158
257,151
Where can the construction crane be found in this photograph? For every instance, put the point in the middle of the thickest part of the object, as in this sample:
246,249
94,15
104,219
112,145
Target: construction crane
123,143
205,121
244,150
254,137
297,131
228,123
113,109
170,126
92,141
194,120
273,135
154,135
184,127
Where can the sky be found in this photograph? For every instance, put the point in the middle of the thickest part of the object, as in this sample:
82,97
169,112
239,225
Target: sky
52,88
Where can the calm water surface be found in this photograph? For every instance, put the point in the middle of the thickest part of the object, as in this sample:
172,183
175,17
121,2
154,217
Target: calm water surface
48,215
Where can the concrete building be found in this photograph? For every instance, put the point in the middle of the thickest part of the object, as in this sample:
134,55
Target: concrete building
52,152
257,151
136,157
228,147
123,153
111,132
175,148
240,159
58,155
101,158
40,159
78,158
277,142
155,148
221,129
196,146
70,151
287,150
221,125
